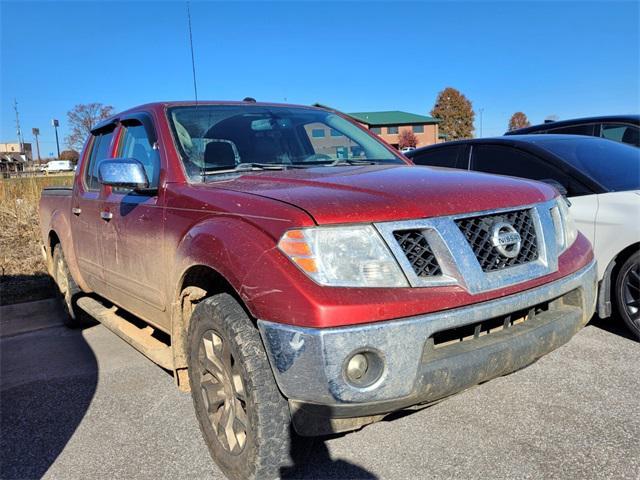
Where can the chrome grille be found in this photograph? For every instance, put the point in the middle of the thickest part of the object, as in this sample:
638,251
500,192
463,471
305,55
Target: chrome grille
477,231
418,251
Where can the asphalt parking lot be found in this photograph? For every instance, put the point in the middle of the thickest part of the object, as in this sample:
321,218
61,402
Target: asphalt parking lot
83,404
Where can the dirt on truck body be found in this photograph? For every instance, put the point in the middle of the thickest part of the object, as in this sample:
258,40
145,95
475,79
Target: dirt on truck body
301,277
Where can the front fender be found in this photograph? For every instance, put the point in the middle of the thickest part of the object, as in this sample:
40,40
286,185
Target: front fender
227,245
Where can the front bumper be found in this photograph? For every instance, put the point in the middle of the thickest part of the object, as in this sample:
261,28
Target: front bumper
309,364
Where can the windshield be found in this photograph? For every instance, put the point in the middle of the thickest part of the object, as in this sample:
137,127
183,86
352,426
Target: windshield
214,139
614,165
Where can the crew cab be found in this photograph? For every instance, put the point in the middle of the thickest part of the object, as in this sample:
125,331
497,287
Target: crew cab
301,277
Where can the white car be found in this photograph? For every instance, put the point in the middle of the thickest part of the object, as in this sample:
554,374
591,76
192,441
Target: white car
59,166
602,181
611,222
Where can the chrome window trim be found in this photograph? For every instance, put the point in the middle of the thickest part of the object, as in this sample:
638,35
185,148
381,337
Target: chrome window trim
456,257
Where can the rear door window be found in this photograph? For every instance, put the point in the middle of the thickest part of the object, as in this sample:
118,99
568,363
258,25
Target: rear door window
575,130
100,150
621,133
451,157
514,162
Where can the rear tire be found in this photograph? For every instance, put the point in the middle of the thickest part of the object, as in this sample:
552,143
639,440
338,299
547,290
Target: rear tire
627,293
68,289
243,418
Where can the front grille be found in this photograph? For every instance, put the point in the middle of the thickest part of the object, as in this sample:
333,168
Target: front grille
477,231
418,251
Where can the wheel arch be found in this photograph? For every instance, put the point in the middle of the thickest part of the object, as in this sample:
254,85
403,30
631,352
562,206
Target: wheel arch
52,240
605,308
197,282
60,232
217,254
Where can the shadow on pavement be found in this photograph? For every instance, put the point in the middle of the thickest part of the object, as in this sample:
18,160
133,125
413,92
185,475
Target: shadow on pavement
312,459
25,288
613,324
48,379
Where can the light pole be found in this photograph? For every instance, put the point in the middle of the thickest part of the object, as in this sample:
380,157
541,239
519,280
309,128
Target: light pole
36,133
481,110
56,124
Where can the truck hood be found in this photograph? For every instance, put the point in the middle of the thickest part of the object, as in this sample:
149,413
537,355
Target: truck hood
377,193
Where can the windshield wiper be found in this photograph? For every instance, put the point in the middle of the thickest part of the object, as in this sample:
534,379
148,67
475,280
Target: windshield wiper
248,166
350,161
261,166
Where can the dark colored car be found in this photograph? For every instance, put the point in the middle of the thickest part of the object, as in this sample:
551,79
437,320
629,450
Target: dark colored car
620,128
601,179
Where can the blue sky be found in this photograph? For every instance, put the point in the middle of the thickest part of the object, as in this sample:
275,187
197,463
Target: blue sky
545,58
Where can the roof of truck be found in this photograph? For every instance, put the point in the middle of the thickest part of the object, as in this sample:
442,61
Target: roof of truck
179,103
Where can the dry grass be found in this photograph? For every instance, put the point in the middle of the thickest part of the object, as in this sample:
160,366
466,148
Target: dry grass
24,274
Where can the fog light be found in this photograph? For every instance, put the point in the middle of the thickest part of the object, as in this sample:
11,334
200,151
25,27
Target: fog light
363,368
357,367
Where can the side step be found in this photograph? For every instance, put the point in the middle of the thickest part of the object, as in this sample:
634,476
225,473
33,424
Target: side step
140,338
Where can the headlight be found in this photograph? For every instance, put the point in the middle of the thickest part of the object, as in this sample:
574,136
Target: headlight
566,231
353,256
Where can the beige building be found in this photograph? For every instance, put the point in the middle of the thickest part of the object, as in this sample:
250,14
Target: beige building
12,158
13,148
388,125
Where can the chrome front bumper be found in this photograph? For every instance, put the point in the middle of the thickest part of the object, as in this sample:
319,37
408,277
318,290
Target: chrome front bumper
309,364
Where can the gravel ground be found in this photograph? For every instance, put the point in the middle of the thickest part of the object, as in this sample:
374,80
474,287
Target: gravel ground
83,404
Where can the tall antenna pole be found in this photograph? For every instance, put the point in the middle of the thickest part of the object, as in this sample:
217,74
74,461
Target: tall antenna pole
195,86
18,131
193,61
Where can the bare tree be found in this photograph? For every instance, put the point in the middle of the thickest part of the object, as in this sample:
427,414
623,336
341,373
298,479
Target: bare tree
407,139
455,113
82,118
518,120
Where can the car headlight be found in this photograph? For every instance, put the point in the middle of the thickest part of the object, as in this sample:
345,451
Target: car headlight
565,227
350,256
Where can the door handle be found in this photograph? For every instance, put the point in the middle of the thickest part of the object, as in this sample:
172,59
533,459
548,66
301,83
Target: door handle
106,215
76,211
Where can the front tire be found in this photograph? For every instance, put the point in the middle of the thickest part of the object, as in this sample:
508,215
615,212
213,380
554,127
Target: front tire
628,293
68,289
243,417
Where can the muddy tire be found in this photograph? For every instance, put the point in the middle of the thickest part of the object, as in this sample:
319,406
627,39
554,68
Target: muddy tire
244,419
68,289
627,293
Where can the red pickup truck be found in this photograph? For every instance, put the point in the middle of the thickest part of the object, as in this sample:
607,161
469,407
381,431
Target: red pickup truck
299,276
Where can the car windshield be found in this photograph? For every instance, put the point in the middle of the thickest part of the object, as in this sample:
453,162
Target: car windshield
217,139
614,165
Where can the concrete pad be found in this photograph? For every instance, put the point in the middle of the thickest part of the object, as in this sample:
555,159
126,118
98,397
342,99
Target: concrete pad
82,403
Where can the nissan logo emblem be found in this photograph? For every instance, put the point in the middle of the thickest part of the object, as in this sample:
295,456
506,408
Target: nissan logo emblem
505,239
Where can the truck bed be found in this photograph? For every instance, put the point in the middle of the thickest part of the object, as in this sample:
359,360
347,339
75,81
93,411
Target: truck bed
54,201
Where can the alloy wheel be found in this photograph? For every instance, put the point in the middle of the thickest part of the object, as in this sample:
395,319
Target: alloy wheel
631,293
223,392
63,281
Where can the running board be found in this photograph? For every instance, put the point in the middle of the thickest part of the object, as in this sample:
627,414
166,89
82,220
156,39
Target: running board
140,338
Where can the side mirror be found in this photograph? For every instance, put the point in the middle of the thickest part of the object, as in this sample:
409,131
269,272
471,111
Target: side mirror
123,172
557,185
